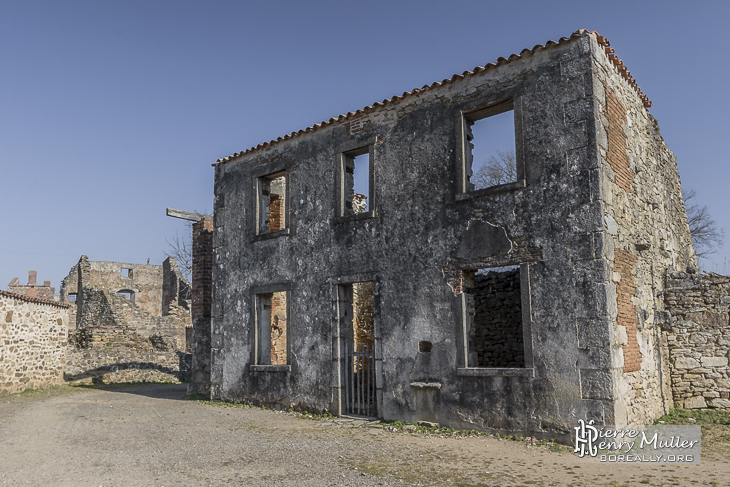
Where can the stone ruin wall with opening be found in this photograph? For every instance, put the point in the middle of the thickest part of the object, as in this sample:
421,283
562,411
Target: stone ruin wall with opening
33,342
117,339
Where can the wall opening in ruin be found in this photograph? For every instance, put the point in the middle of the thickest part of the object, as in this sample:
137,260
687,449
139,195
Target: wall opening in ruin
357,180
271,336
489,147
128,294
72,297
272,203
357,329
494,309
126,272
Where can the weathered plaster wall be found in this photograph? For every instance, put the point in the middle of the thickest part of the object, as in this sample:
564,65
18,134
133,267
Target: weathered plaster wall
33,341
645,232
698,336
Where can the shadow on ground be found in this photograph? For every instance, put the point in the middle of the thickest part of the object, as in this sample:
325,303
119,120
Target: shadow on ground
155,391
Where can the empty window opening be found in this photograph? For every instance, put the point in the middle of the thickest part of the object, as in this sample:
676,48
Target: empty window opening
425,346
126,272
127,294
357,328
72,297
272,203
357,182
494,324
490,147
272,329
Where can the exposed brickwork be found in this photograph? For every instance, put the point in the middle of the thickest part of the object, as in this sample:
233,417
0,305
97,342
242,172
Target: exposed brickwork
201,310
617,157
202,267
276,220
624,264
33,340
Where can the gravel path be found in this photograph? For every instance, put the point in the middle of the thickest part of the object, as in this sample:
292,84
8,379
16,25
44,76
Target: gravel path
149,435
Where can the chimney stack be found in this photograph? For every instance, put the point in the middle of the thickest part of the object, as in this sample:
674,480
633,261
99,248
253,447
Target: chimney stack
31,278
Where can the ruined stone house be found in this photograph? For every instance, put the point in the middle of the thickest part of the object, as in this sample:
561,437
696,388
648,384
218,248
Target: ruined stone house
130,322
522,306
32,289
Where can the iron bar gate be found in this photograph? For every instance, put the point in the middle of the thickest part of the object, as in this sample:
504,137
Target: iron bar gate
360,399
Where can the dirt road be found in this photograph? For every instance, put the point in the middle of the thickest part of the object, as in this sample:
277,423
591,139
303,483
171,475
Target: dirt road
149,435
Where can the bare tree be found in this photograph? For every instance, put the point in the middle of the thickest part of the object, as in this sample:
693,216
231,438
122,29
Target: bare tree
181,248
706,235
498,169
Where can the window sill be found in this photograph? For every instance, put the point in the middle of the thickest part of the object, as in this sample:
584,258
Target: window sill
500,188
495,372
351,218
268,235
270,368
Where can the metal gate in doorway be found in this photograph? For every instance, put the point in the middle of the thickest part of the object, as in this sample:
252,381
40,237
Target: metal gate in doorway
360,398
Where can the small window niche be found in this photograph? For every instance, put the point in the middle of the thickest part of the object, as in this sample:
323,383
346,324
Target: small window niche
127,294
272,207
356,183
497,324
126,273
490,157
271,329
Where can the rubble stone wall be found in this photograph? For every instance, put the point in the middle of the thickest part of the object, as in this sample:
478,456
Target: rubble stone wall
698,336
495,337
33,342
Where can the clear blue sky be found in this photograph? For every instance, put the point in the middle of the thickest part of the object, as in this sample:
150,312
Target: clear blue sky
111,111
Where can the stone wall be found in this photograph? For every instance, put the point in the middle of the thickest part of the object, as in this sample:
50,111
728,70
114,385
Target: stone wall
33,341
644,233
495,335
125,340
697,329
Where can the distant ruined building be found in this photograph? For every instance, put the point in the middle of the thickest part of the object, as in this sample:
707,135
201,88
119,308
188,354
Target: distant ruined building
32,289
129,322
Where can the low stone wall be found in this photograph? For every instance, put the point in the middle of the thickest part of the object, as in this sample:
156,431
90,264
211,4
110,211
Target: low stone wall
698,338
33,342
